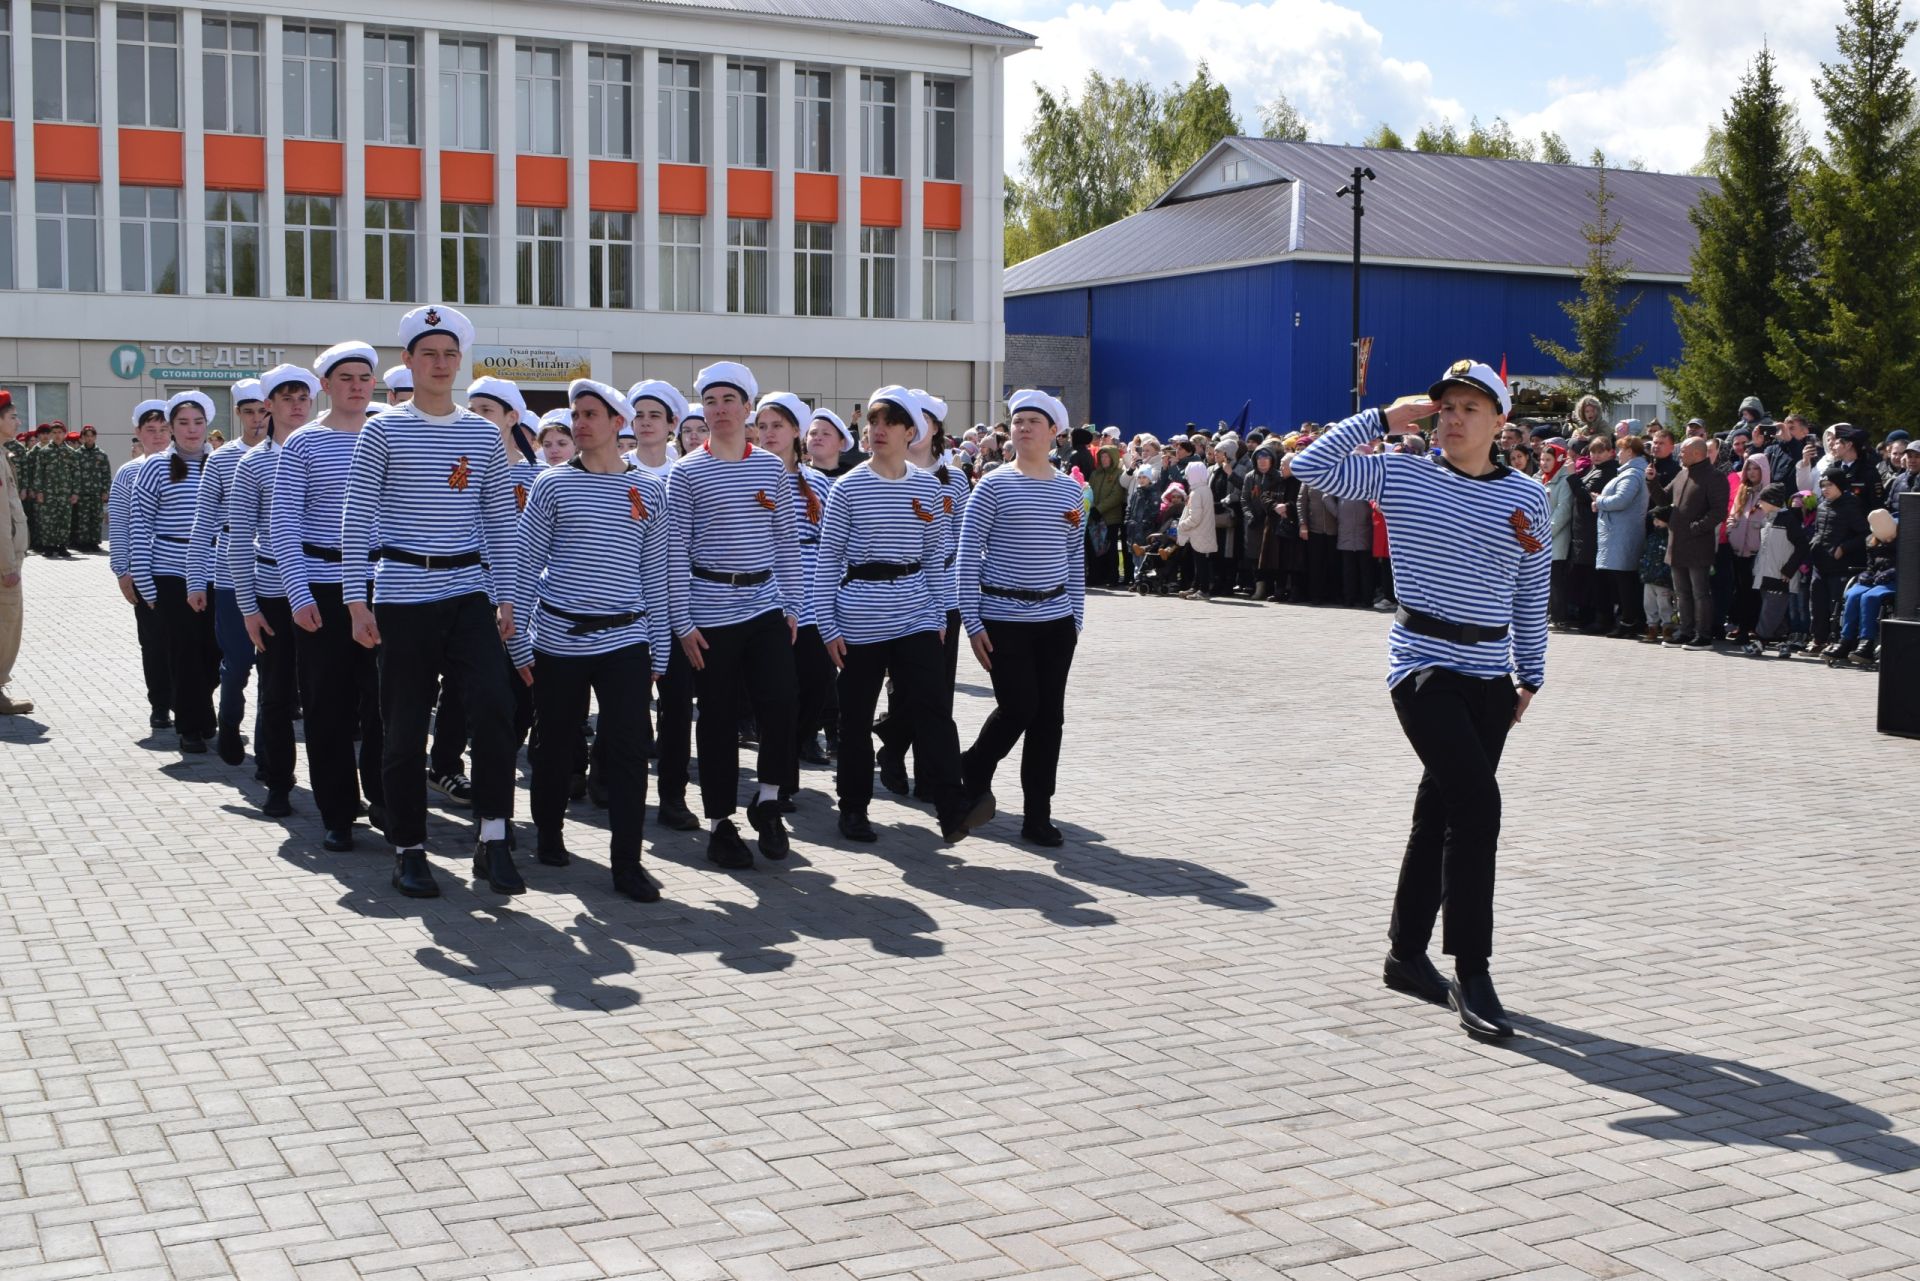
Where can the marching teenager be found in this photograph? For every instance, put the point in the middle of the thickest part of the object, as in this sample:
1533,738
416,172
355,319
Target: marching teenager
692,431
780,418
829,441
592,603
1022,587
500,403
658,409
735,577
338,682
556,438
399,383
207,561
881,597
1472,558
431,478
164,494
288,392
150,436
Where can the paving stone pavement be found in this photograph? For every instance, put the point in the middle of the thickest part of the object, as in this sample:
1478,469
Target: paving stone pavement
1162,1051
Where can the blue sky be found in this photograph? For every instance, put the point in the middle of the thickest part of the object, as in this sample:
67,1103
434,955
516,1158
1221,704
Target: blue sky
1637,78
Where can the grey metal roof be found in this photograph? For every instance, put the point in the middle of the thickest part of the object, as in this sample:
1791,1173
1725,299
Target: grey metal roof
1421,207
917,15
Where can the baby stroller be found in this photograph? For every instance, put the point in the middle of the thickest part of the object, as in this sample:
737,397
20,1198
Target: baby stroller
1156,575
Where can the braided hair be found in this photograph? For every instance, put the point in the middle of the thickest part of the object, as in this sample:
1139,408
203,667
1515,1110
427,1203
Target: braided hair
799,467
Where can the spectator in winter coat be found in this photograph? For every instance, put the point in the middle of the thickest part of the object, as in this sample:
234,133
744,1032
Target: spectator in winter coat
1197,532
1853,460
1860,610
1839,547
1320,527
1699,500
1783,545
1259,498
1355,543
1109,511
1907,482
1734,561
1621,511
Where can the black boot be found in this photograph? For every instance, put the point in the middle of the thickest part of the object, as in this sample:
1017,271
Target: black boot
770,828
1836,654
1038,830
636,884
1868,651
893,770
855,826
277,804
674,815
726,849
338,839
493,863
161,719
1416,976
412,877
809,751
551,849
231,746
1473,997
193,745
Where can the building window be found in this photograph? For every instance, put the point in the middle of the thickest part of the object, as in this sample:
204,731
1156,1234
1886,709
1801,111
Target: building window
311,80
389,78
392,250
680,240
680,111
538,257
41,402
940,275
610,259
813,121
538,97
747,114
233,243
149,240
65,71
942,126
149,68
877,124
6,67
230,75
879,265
7,280
463,95
813,269
465,238
1233,171
747,266
609,104
68,214
313,244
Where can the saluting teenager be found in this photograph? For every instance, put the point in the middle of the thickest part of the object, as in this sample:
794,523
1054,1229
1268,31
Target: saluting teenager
1472,549
338,681
780,418
735,578
207,561
1021,578
881,598
150,436
592,602
164,494
432,477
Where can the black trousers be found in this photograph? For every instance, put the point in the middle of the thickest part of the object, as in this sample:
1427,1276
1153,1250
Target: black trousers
813,675
749,669
193,656
898,732
1356,578
340,695
273,717
153,656
449,753
1458,726
1624,584
1323,568
922,699
1031,662
620,681
674,733
419,646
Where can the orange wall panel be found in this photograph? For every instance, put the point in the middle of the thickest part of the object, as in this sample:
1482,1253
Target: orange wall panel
816,197
237,163
393,173
683,189
466,177
66,153
613,186
940,206
6,150
316,168
540,182
152,158
749,193
880,201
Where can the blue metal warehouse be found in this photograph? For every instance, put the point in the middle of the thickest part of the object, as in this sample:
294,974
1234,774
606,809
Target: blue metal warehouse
1236,284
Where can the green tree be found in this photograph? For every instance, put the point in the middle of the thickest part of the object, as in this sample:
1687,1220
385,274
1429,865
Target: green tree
1847,346
1442,138
1189,120
1495,140
1598,315
1385,139
1086,161
1553,149
1282,120
1749,252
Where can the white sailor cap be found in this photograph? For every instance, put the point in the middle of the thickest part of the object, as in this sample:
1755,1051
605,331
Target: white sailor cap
608,396
1029,398
399,378
931,404
824,415
499,389
199,398
795,407
280,375
695,410
665,393
561,418
626,430
727,373
146,407
1471,373
436,318
341,352
907,400
247,389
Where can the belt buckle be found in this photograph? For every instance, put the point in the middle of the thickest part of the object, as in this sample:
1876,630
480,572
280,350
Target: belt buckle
1470,633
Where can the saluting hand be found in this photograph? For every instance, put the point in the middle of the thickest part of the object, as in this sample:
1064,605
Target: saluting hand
1401,417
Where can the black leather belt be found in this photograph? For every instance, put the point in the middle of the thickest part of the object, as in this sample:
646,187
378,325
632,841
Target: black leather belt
1023,593
745,578
459,560
879,571
171,538
318,552
948,562
587,624
1441,629
267,560
809,542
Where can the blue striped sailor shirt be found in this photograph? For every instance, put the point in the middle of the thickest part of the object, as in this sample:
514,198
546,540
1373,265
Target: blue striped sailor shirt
734,518
119,514
250,558
309,491
872,519
161,521
1026,534
206,554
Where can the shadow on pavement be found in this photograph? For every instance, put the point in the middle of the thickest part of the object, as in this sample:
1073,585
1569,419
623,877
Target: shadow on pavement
939,869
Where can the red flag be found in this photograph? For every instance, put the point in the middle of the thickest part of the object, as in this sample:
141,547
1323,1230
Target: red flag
1503,366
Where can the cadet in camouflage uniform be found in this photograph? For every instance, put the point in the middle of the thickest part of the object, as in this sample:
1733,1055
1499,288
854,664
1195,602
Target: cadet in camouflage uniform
93,471
56,484
28,476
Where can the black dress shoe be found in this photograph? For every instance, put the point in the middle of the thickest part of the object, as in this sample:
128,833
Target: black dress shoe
160,720
979,810
770,828
551,849
277,805
893,770
953,822
674,815
412,877
338,839
809,751
636,885
493,863
1416,976
1042,833
232,747
1478,1005
855,827
193,745
785,803
726,849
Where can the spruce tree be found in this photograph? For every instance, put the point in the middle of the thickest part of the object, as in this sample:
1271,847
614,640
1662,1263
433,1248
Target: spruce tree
1598,315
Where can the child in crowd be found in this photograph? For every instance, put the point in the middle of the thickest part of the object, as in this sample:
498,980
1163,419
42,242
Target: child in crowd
1656,577
1804,508
1783,550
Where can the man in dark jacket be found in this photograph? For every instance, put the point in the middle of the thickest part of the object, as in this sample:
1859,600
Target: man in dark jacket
1855,461
1699,500
1586,531
1784,454
1907,482
1839,548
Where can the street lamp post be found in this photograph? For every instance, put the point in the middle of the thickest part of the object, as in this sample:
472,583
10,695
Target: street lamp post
1361,174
